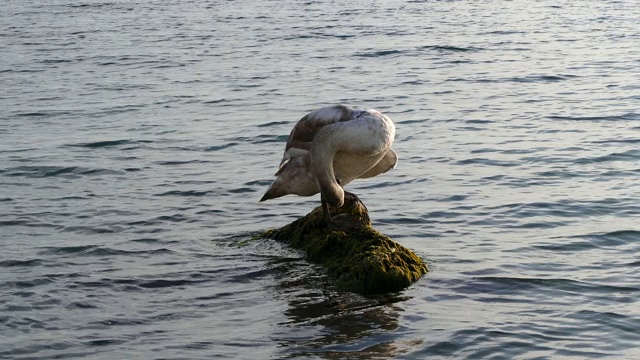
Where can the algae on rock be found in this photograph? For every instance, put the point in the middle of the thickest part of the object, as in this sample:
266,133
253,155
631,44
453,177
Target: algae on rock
359,259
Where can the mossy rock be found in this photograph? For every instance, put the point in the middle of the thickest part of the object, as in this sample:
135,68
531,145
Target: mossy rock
359,259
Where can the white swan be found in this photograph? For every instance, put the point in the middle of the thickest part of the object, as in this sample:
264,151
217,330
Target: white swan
329,148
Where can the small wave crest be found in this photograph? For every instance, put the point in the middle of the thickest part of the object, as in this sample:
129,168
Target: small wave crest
109,143
42,171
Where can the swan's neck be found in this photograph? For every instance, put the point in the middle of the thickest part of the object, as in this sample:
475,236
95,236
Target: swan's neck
323,150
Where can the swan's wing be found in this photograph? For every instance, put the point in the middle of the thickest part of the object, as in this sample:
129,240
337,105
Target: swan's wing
306,129
388,162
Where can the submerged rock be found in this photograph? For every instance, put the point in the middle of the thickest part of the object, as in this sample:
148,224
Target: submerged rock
356,256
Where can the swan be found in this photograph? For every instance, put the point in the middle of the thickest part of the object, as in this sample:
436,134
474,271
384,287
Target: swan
330,147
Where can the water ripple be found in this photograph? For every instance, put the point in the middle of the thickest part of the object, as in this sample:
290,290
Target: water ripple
132,151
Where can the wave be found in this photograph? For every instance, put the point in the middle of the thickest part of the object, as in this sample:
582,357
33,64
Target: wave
160,219
416,51
595,241
274,123
181,162
264,139
94,250
221,147
184,193
43,171
90,5
627,116
629,155
21,263
109,143
448,48
509,285
487,162
534,78
570,208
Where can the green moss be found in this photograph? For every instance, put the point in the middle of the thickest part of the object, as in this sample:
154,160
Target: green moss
359,259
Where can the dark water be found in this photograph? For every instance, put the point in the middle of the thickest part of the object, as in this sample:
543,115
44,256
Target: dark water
137,137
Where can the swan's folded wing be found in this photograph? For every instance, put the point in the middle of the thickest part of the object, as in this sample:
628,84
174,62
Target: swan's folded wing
305,130
385,164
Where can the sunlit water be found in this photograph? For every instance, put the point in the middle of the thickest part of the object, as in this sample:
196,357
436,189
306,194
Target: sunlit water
137,136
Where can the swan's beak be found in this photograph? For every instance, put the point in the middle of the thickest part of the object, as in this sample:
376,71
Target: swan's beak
265,197
274,191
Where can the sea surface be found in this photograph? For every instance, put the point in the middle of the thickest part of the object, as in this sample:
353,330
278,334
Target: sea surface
136,138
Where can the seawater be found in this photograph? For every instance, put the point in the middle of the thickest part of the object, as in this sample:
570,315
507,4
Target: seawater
137,136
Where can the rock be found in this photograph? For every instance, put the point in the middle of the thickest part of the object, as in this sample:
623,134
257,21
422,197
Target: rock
356,256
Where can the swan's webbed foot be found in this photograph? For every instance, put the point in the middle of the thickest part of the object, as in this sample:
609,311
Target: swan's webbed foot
349,196
341,221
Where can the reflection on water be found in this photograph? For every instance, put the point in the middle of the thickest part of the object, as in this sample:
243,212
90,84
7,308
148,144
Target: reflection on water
334,324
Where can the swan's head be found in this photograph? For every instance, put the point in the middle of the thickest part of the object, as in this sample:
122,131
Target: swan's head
294,178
